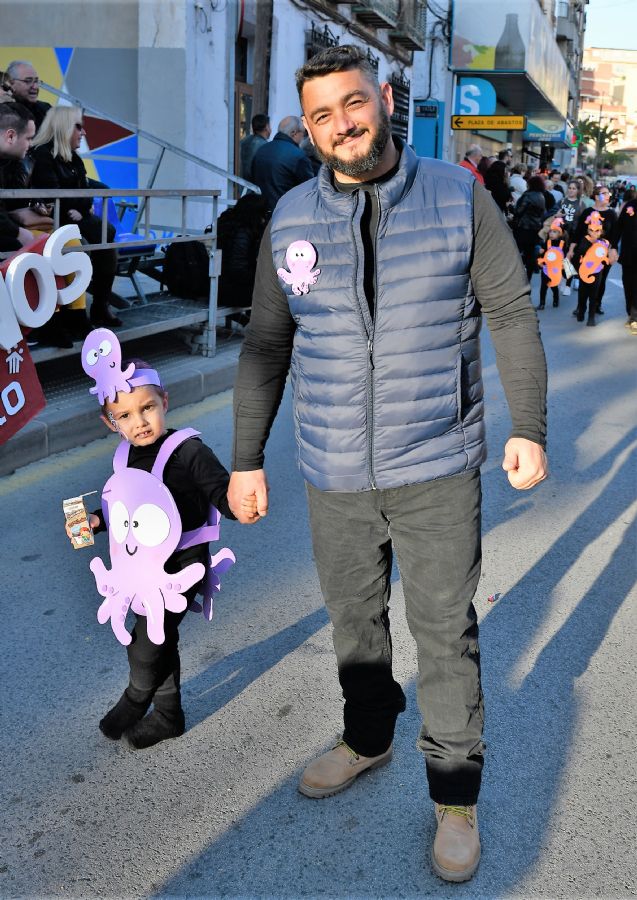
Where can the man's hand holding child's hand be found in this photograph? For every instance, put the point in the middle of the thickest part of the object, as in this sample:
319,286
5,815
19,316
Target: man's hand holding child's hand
248,496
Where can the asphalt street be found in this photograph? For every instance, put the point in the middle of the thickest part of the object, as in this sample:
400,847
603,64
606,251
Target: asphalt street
216,813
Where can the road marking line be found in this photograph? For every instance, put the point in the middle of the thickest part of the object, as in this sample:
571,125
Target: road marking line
71,459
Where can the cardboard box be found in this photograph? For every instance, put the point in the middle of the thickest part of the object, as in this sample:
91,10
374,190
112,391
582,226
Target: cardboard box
77,520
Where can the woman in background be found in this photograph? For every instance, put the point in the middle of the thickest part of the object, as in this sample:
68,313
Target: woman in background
56,164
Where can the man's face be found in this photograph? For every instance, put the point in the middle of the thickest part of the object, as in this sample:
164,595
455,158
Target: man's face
347,118
17,145
298,135
25,85
556,177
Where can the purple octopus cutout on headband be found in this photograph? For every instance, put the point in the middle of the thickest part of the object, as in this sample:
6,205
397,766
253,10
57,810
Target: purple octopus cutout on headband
300,257
102,360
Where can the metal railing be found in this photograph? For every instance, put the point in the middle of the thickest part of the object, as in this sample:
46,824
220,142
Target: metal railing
162,145
146,237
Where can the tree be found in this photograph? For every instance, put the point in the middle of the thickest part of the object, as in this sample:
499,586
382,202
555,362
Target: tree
610,160
598,135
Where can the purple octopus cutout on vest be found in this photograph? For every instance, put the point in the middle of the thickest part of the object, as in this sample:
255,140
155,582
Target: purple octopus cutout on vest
300,257
144,528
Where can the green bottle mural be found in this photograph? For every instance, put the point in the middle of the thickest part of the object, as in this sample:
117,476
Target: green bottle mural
510,51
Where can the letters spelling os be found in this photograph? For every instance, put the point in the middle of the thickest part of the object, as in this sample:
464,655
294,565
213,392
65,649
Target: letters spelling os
14,306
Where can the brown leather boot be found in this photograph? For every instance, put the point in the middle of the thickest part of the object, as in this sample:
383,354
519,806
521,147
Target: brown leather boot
456,851
337,769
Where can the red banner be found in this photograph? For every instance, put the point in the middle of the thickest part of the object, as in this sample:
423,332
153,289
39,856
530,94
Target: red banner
21,396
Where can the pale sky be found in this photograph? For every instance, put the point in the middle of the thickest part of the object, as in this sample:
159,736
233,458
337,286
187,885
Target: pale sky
611,23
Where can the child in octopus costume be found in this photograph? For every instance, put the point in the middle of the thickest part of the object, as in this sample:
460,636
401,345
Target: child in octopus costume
551,262
590,257
161,506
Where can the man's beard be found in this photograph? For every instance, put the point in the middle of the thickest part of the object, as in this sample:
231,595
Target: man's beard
362,164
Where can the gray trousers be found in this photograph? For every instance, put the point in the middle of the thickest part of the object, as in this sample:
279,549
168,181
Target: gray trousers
434,529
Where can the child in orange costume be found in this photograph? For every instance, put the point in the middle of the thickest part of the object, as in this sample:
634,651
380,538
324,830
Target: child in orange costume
551,262
591,254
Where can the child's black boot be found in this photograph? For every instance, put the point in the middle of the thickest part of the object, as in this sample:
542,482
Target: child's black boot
129,709
165,721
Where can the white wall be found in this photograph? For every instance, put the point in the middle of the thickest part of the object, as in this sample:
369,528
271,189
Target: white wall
289,25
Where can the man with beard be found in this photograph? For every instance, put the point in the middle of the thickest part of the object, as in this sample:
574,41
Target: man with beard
370,284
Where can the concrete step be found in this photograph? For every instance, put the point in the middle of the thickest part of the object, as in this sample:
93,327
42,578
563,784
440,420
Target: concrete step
71,416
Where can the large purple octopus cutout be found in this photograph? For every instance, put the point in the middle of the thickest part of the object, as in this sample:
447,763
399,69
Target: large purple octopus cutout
142,536
300,257
102,361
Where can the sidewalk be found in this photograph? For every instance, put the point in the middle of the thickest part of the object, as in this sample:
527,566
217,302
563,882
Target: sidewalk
71,416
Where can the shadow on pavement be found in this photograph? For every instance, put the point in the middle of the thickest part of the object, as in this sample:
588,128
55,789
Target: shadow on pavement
348,845
223,681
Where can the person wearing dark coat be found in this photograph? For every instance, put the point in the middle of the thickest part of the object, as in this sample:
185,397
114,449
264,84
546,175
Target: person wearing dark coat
57,165
280,165
528,217
627,235
497,183
25,87
261,132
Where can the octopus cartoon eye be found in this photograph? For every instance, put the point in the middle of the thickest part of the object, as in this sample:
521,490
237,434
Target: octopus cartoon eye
551,255
600,252
118,521
151,525
91,357
105,348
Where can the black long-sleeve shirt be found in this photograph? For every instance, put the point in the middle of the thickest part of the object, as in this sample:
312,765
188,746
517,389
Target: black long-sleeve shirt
195,478
501,289
12,176
609,233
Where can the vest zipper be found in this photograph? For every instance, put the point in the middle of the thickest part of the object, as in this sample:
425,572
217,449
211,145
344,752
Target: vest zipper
370,364
370,350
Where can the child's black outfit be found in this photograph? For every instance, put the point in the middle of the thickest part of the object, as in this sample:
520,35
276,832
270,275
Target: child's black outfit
195,478
587,293
609,233
544,282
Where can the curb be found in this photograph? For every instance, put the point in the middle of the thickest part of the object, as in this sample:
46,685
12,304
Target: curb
66,425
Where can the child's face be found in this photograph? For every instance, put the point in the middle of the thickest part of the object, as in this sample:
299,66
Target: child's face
554,235
140,416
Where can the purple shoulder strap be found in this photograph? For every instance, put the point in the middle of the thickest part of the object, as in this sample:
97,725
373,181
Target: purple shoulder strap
204,534
120,457
168,448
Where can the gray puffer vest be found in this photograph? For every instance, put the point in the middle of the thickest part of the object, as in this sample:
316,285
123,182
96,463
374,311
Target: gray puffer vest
396,400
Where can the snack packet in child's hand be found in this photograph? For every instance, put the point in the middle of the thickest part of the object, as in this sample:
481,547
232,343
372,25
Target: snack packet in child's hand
77,522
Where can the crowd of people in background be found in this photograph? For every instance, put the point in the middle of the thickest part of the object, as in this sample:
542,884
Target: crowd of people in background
39,147
589,225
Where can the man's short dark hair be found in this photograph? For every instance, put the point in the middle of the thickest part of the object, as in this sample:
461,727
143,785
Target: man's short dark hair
16,116
260,122
335,59
503,153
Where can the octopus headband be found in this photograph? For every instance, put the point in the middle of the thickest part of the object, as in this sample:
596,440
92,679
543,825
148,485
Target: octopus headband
102,361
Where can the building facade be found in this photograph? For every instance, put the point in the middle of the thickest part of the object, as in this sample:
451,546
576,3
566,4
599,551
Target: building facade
609,97
194,74
516,60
